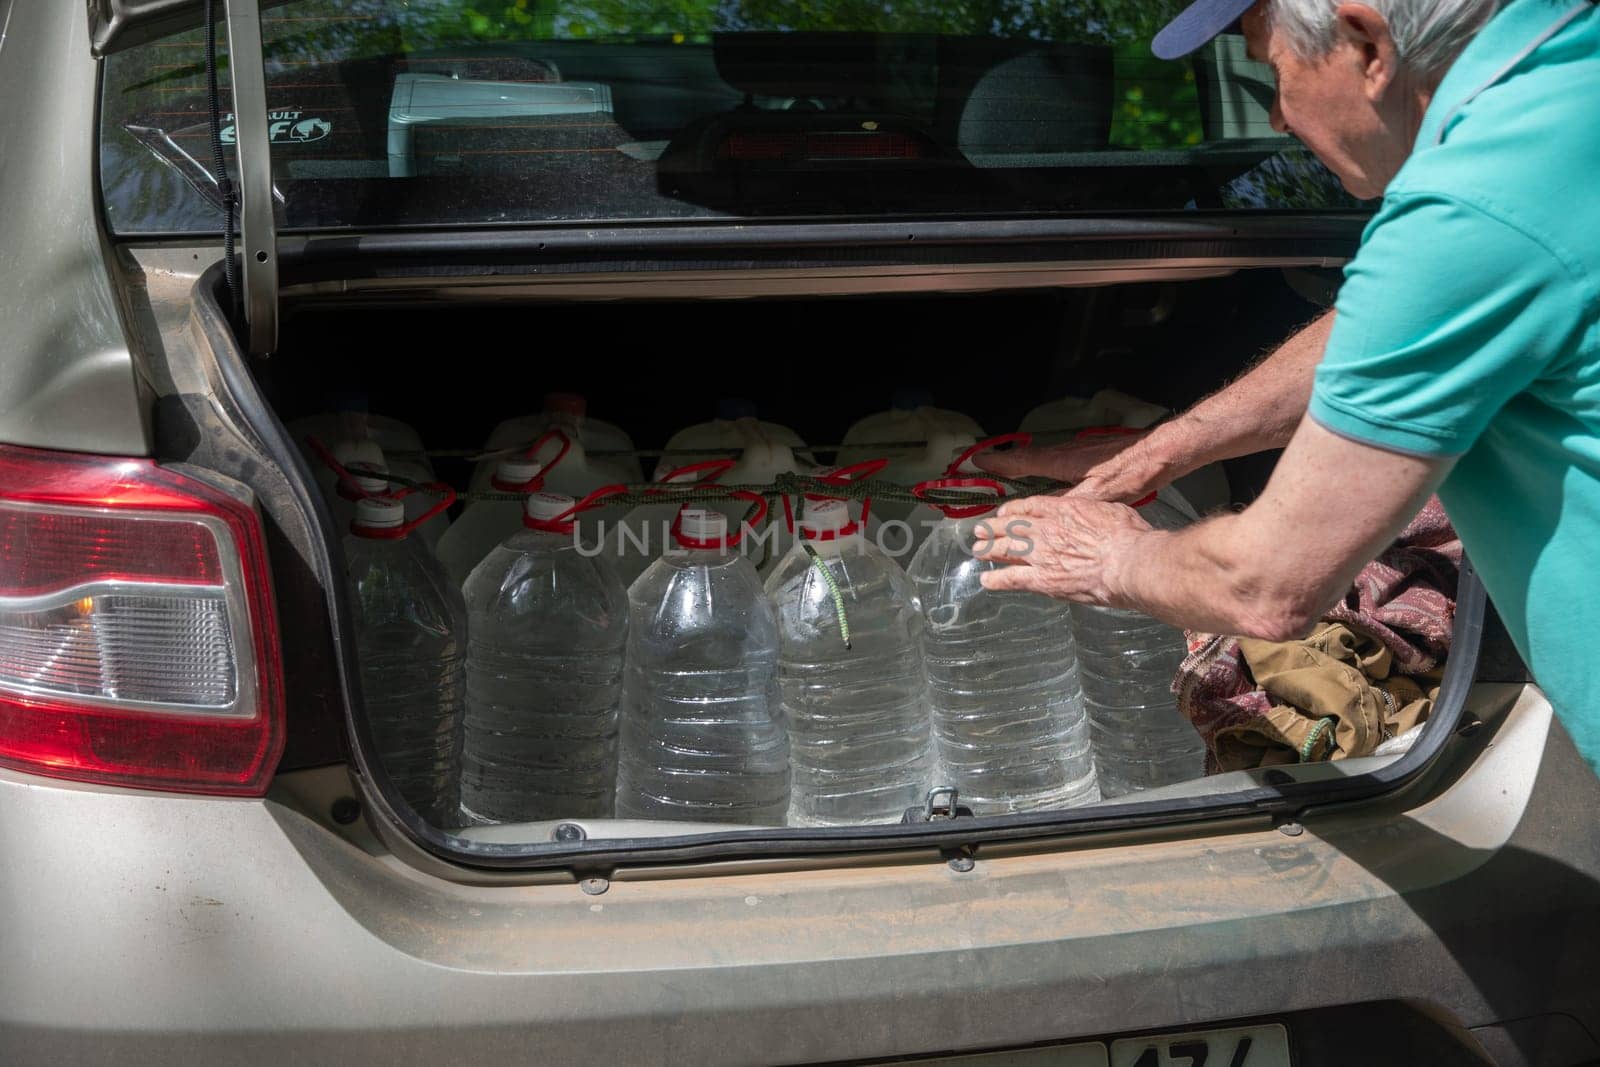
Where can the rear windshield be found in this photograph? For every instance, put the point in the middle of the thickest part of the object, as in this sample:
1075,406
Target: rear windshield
463,112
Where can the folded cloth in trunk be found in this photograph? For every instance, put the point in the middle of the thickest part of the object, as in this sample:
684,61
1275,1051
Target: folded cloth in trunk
1368,672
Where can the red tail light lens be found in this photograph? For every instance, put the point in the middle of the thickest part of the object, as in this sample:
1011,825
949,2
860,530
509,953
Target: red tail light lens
138,641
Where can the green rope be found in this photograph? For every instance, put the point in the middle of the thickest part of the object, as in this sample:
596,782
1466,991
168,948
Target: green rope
833,587
791,485
1322,726
877,448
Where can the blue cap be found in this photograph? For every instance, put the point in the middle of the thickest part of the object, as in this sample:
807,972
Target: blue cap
1197,24
735,407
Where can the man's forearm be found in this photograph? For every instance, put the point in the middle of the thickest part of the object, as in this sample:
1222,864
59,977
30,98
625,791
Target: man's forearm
1257,412
1273,569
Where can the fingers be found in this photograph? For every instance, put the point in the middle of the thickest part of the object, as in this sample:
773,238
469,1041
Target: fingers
1034,507
1018,463
1002,549
1012,579
1109,490
1064,463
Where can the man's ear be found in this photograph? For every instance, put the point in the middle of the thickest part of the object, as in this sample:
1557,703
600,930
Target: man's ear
1366,33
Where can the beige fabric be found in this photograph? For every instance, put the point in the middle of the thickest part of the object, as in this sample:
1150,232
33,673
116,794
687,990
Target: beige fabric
1338,673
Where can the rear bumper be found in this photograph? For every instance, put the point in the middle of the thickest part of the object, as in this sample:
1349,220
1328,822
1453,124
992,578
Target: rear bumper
155,929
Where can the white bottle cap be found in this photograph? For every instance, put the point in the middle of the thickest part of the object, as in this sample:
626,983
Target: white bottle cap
517,471
379,513
825,516
703,524
367,477
544,507
358,451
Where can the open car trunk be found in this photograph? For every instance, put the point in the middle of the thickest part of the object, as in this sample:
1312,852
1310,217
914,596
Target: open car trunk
454,370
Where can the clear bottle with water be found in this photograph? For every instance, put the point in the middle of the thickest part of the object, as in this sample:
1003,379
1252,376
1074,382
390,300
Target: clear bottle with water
850,672
485,523
411,629
548,626
703,736
1002,669
1127,661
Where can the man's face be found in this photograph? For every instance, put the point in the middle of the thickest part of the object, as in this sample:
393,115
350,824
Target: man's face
1344,106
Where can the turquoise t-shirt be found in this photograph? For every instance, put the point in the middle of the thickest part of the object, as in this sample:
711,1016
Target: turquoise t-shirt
1469,326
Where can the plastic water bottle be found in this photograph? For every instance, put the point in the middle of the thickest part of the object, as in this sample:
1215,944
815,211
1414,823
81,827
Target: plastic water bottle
370,468
1003,681
703,737
369,478
548,627
351,419
642,535
850,672
411,641
485,523
1127,661
1201,491
765,450
568,412
770,447
911,418
566,470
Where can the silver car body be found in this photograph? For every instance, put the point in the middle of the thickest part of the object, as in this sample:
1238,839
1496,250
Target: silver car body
143,928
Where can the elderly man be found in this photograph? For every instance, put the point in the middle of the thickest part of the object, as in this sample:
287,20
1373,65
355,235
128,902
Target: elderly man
1463,356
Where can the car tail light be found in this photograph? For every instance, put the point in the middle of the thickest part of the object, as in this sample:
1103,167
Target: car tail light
138,641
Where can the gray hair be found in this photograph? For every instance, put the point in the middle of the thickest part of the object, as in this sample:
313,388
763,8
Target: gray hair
1429,34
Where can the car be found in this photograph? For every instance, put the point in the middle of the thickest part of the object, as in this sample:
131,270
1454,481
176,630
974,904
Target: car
450,210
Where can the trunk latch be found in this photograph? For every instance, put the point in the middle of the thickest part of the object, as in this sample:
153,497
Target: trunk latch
942,804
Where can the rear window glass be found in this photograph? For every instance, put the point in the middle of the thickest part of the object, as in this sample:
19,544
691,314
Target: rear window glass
460,112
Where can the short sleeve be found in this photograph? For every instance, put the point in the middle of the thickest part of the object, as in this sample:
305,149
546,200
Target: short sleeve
1447,312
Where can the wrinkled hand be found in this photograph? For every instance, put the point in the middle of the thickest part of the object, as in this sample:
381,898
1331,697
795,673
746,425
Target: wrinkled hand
1062,546
1100,468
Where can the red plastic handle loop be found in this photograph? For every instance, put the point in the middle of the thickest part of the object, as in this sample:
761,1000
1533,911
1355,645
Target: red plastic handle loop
1105,431
553,434
1022,438
713,468
1114,431
728,541
346,486
565,522
447,496
855,472
532,485
960,511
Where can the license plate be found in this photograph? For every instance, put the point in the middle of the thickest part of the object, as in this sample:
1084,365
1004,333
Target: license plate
1237,1046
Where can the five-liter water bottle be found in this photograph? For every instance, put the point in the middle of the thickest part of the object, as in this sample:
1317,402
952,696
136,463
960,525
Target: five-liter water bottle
411,642
850,672
568,412
703,737
911,419
547,628
485,523
1127,662
1002,671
